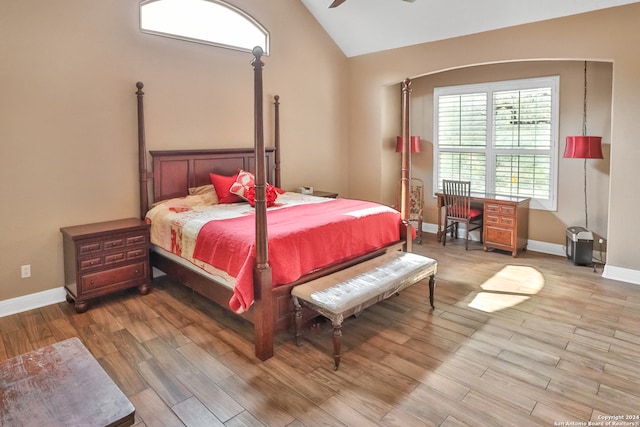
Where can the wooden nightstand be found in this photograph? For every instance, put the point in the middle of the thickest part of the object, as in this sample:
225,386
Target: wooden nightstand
325,194
105,257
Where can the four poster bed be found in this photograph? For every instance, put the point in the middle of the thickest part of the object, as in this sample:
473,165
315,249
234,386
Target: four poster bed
244,259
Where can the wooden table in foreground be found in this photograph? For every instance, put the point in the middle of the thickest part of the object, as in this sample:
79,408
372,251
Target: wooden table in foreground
506,221
61,385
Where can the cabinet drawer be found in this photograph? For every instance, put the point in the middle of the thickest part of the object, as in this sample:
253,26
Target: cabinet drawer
503,210
136,240
491,218
113,276
500,220
137,253
89,247
113,243
507,221
113,258
91,263
499,236
492,208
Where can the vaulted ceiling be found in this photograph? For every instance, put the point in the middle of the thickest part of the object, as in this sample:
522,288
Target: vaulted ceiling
364,26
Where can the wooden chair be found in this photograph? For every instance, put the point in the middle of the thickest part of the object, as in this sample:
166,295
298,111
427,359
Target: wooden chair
416,204
457,203
416,200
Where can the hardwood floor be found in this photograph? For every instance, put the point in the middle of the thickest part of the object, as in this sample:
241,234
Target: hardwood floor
524,341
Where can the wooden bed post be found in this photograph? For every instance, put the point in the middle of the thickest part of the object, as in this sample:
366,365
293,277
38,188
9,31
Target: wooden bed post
142,154
263,305
276,140
405,179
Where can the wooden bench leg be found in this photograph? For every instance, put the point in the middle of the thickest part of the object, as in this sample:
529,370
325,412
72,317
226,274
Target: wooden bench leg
297,319
337,341
432,288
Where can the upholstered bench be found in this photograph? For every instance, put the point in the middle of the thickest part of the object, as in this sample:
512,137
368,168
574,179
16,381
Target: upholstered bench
349,291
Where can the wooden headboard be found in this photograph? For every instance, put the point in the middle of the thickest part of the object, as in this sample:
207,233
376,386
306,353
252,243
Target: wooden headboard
174,171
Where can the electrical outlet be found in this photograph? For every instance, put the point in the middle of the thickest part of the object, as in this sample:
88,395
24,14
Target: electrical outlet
25,271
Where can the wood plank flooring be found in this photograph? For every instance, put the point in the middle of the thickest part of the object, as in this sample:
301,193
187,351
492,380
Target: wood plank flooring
524,341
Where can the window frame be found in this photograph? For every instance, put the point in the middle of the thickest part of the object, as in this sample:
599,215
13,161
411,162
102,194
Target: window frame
228,6
489,149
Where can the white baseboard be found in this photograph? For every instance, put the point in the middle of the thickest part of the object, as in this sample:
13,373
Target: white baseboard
621,274
31,301
546,248
41,299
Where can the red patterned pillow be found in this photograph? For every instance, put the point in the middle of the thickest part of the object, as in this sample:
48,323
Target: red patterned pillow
271,194
223,184
244,181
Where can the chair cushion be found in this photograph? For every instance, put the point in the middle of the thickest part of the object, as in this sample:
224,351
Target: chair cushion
475,212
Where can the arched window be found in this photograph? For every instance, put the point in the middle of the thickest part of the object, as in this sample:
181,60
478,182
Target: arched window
203,21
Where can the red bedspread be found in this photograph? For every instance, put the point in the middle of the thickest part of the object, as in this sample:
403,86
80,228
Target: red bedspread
301,239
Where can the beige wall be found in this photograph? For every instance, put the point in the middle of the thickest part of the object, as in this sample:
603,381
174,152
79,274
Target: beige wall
68,136
611,37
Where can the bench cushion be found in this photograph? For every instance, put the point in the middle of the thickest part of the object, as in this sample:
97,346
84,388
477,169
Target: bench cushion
365,283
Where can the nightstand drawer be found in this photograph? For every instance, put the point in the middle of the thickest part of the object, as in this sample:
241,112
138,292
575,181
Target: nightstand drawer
91,263
113,258
137,253
113,276
113,243
89,247
136,240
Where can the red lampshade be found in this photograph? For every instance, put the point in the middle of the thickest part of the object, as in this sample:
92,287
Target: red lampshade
415,144
583,147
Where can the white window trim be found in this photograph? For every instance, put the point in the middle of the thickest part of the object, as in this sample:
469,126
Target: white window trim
489,88
243,15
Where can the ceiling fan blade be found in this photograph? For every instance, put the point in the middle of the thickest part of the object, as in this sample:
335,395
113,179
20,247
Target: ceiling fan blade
337,3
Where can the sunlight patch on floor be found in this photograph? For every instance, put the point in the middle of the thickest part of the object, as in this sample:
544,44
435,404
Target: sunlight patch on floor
512,285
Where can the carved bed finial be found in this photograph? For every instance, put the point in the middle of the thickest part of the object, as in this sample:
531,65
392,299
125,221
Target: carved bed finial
257,54
406,85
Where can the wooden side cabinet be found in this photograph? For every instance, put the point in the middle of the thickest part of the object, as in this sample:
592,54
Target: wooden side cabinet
105,257
329,194
506,225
